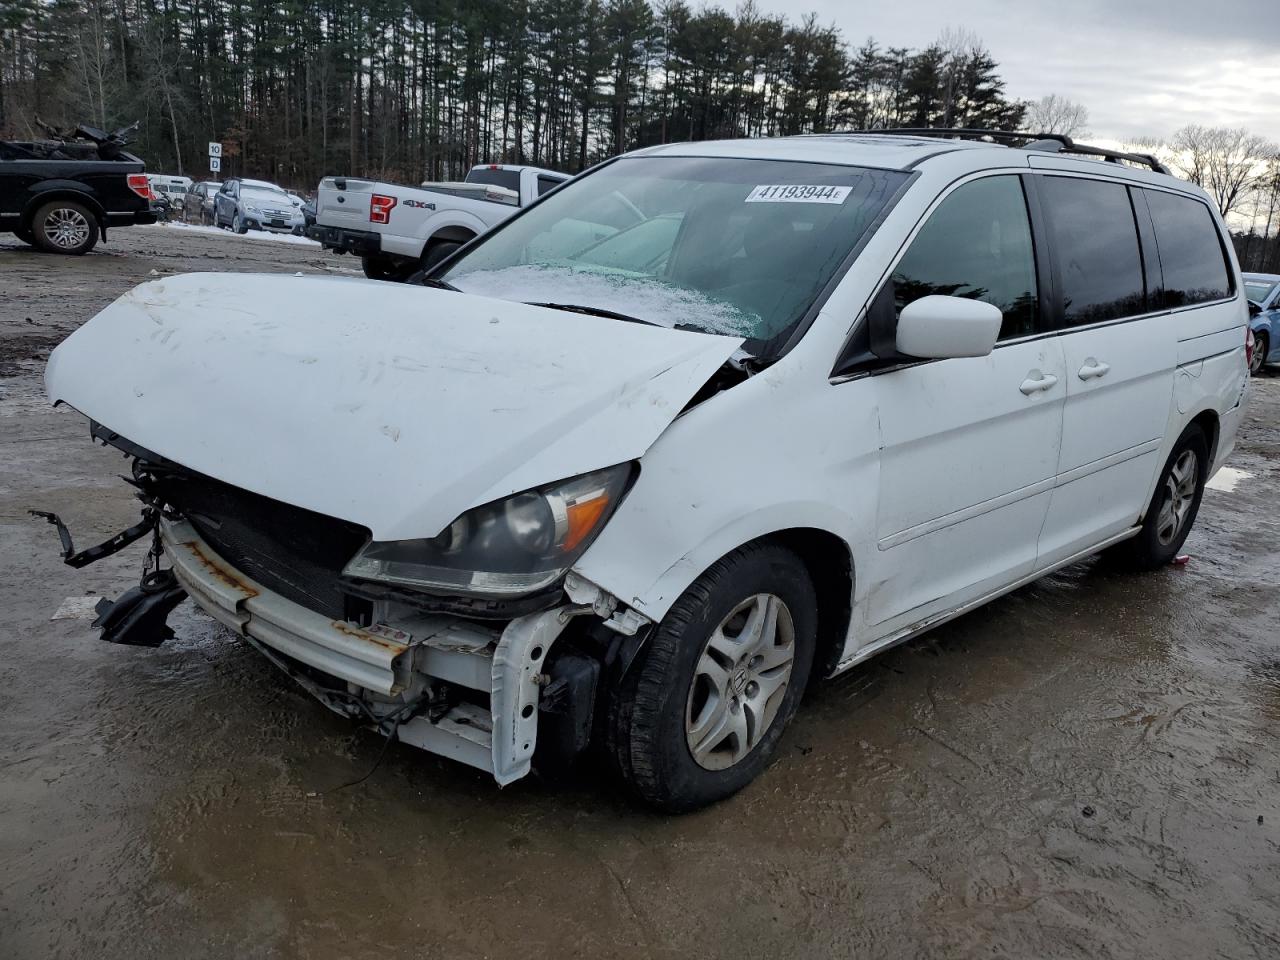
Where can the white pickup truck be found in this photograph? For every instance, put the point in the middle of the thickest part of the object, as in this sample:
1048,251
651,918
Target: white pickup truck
397,231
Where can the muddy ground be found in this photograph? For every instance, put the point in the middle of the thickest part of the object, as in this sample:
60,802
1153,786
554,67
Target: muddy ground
1087,768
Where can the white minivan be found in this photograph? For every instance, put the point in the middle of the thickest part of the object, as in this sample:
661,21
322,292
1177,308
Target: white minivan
796,401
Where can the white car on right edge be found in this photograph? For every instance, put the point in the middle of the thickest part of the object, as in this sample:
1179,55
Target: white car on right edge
707,423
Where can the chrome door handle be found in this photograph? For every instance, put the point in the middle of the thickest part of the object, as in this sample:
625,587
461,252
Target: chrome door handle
1037,382
1093,369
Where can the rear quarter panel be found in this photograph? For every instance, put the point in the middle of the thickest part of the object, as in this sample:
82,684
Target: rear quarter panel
104,182
1212,373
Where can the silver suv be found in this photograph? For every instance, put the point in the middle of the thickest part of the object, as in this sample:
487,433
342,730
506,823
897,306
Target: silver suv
244,205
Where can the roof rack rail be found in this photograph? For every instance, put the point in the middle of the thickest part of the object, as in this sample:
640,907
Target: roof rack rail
1046,142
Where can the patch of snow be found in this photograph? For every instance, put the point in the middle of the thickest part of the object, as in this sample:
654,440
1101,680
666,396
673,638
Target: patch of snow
77,608
638,296
219,232
1227,479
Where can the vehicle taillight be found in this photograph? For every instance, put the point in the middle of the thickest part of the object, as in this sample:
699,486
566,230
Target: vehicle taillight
140,185
1248,347
380,208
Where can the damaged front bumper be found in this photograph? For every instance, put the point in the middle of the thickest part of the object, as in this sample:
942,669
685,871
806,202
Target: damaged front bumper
372,673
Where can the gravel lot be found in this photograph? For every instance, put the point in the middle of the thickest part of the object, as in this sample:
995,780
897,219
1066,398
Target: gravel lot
1087,768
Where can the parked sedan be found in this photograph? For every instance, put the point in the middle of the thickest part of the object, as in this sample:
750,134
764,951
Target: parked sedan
197,205
1263,291
245,205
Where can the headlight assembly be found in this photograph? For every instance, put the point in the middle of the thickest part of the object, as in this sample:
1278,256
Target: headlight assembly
507,548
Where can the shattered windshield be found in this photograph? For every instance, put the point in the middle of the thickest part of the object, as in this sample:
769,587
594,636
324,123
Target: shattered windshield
719,245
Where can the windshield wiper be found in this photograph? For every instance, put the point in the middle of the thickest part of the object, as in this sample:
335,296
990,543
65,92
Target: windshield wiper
438,284
597,312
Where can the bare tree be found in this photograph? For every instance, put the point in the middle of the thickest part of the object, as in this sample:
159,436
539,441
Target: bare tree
160,66
959,46
1267,194
1055,114
1228,162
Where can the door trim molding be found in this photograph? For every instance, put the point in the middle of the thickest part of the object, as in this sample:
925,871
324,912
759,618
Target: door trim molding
1022,493
936,620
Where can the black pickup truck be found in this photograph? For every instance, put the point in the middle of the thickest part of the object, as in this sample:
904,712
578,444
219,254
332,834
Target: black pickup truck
61,194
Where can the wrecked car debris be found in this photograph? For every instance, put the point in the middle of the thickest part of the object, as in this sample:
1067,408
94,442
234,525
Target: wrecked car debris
113,545
138,617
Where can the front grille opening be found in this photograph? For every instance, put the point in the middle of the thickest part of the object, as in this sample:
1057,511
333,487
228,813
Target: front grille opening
296,553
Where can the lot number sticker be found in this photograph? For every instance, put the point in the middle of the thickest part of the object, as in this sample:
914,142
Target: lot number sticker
797,193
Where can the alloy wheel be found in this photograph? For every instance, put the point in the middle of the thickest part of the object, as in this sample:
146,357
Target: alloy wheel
66,228
1179,495
740,681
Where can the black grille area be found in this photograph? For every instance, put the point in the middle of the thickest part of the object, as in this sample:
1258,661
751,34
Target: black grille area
290,551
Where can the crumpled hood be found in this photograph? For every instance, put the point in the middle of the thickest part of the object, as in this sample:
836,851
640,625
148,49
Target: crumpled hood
391,406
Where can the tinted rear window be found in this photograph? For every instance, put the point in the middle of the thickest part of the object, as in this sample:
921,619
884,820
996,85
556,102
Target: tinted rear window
1095,239
498,178
1191,257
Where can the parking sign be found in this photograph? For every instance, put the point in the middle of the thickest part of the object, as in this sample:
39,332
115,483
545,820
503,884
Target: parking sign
215,164
215,149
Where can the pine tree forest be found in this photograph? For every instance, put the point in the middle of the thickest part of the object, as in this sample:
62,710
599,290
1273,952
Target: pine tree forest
411,90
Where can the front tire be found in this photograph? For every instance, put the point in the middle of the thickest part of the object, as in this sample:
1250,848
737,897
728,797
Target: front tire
1261,347
65,226
1173,508
433,255
238,224
699,715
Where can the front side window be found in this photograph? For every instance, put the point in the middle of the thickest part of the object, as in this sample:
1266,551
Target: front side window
1191,257
1095,239
976,244
718,245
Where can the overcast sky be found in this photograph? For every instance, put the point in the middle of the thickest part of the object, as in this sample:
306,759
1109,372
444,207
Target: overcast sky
1142,67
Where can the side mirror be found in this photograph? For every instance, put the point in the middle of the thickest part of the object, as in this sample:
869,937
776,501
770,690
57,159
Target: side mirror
938,328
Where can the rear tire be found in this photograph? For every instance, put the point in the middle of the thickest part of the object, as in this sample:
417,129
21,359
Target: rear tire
381,268
1173,507
700,713
1261,347
65,226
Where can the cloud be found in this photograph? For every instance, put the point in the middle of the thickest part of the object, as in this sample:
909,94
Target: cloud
1143,68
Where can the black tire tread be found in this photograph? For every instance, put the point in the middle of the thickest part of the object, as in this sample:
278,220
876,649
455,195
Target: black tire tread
634,721
38,240
1137,554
